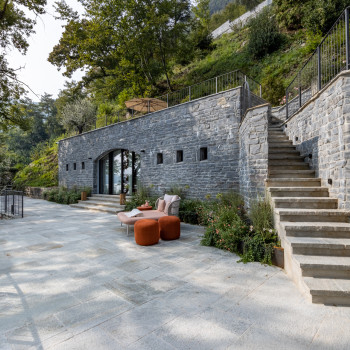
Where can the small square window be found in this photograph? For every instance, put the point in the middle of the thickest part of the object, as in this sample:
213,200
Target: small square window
83,165
159,158
67,167
179,156
75,166
203,153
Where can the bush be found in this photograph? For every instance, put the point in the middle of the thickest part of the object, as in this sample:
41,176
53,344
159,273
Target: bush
228,228
190,210
264,35
63,195
137,199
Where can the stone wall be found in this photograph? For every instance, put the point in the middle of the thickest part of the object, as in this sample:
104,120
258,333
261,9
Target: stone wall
241,21
322,129
211,122
253,162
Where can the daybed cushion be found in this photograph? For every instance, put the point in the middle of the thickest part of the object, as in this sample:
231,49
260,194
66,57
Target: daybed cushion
147,214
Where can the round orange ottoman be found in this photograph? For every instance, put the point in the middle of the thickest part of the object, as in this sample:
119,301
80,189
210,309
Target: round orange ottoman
146,232
169,227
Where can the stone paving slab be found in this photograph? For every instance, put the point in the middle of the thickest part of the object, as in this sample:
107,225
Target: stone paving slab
72,279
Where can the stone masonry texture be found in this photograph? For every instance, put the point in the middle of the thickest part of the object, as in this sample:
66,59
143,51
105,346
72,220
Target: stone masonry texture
253,162
211,122
321,132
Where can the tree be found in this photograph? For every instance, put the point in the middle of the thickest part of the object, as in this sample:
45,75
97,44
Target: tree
15,27
124,44
79,115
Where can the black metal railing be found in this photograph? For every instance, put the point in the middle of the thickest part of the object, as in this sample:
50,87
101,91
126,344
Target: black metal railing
11,203
330,58
206,88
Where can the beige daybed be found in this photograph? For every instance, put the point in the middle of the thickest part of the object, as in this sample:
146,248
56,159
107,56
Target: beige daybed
171,209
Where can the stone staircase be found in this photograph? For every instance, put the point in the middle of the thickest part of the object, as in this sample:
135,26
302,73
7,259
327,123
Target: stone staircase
315,234
101,202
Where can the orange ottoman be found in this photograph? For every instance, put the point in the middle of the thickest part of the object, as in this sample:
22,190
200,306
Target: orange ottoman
146,232
169,227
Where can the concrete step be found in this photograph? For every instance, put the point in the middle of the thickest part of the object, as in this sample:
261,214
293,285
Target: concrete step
108,196
279,143
291,166
321,229
104,200
306,202
320,246
313,215
111,204
286,156
299,182
329,291
323,266
298,191
283,150
276,132
275,138
286,161
291,174
96,208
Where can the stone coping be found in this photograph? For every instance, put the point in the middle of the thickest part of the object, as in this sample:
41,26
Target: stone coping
149,114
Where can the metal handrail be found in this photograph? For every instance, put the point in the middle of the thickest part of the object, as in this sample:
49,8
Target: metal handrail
330,58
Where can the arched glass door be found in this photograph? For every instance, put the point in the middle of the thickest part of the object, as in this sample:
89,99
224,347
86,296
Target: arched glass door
118,172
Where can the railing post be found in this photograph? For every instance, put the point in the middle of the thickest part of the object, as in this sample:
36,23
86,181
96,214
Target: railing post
347,39
260,90
189,93
106,119
319,68
299,90
216,85
167,100
287,105
22,205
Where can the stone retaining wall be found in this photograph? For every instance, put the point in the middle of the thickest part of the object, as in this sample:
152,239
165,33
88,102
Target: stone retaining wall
322,129
211,122
253,162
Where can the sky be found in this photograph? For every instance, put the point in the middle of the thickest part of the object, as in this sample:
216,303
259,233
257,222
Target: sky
39,74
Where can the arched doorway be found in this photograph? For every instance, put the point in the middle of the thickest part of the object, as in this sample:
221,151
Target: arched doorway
118,172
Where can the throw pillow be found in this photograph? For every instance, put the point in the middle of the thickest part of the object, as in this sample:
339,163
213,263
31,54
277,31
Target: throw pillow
167,208
168,198
161,205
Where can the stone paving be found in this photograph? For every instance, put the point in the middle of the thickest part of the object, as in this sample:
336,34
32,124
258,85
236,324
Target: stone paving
72,279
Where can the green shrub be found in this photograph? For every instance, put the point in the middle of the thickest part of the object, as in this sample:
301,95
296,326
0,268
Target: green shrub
264,35
63,195
137,199
261,215
190,210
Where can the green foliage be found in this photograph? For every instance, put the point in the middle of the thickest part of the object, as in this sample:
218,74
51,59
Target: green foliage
15,27
264,35
139,197
63,195
228,228
42,172
190,211
178,190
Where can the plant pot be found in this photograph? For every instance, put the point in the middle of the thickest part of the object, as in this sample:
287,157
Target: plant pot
122,198
83,195
278,257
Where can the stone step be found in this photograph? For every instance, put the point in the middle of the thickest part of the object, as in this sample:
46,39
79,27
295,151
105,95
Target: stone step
329,291
109,203
286,156
283,150
275,138
286,161
276,132
320,246
292,166
323,266
298,191
104,200
306,202
313,215
103,209
117,196
290,174
299,182
312,229
280,143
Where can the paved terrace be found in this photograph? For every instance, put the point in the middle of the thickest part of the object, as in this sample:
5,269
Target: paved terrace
71,279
